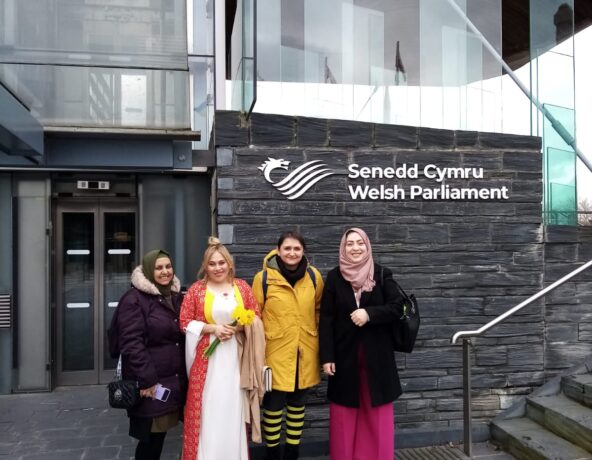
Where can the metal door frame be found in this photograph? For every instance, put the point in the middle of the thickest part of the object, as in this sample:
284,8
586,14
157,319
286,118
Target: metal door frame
98,207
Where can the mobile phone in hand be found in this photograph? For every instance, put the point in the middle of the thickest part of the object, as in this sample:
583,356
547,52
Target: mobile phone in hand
162,393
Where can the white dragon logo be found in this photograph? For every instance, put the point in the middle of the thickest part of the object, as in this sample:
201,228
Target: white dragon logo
299,180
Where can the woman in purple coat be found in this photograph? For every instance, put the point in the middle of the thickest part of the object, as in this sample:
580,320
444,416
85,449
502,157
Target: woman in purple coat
152,351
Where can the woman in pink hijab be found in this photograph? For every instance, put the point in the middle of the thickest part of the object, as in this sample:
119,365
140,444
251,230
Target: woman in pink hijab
360,302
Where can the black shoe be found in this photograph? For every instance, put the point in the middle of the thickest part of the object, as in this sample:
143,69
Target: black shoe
273,453
291,451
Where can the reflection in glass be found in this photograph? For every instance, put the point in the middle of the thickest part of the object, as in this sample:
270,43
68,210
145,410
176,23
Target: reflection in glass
112,97
408,62
201,72
243,39
120,259
553,83
559,170
79,282
133,33
200,14
173,222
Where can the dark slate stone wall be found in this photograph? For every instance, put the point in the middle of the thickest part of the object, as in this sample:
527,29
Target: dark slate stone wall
467,262
568,309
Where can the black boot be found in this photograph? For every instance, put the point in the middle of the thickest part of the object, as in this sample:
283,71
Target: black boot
291,451
273,453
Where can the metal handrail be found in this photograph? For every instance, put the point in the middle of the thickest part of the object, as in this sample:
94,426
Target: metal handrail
466,337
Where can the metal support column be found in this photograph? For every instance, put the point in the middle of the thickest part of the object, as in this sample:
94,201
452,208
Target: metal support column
468,429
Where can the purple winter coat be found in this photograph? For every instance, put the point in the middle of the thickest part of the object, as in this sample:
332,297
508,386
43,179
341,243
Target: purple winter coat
152,345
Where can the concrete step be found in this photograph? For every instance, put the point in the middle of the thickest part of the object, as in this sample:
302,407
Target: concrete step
563,416
578,388
527,440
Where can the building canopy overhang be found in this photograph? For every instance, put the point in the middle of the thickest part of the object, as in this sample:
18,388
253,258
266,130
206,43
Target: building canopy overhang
20,132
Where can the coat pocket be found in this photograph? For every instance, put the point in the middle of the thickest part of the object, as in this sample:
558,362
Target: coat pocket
274,334
312,332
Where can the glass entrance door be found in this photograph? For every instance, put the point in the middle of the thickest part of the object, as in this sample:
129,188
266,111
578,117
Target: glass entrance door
95,254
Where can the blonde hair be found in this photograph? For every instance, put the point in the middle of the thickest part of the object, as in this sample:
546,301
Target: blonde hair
214,245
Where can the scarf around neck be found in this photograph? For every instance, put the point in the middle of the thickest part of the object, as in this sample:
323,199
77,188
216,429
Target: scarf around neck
292,276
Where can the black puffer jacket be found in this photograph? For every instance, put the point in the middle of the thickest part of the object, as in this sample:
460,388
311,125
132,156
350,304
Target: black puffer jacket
152,345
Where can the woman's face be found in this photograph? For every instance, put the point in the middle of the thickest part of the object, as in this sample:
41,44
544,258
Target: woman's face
163,271
217,268
355,248
291,252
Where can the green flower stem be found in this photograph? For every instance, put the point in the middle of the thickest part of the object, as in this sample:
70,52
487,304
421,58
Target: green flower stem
212,347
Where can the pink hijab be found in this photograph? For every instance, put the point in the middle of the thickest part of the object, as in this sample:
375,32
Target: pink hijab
359,274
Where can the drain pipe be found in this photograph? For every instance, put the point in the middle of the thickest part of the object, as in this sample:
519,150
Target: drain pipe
559,128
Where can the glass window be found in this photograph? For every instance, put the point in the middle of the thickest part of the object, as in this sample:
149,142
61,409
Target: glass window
78,286
559,169
200,16
201,71
242,65
131,33
107,97
175,215
405,62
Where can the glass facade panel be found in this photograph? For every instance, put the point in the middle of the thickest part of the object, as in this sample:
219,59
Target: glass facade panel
583,93
553,84
559,170
79,289
200,19
107,97
242,65
455,63
561,194
108,33
171,220
119,255
201,71
405,62
552,55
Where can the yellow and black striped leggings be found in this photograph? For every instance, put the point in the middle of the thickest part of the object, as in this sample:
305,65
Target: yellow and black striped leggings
274,404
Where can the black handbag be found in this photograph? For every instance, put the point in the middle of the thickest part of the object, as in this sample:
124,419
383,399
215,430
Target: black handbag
123,394
405,328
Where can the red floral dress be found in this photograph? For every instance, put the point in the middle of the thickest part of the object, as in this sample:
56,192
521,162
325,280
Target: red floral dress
193,309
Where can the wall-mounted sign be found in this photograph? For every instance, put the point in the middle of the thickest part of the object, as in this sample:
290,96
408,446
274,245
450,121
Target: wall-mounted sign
297,182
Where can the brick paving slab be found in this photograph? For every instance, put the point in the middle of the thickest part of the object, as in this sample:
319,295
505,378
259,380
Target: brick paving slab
76,423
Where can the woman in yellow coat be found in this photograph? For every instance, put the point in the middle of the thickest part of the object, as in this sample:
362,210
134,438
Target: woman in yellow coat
289,291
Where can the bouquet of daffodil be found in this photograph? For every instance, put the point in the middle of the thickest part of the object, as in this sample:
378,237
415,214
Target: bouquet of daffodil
242,317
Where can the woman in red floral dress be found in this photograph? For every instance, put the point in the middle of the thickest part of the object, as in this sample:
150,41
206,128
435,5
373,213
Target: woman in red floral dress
214,412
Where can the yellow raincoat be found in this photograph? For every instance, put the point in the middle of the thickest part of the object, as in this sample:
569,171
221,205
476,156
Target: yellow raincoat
291,318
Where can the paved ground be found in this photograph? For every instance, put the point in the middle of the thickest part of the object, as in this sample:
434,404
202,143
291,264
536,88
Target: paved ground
76,423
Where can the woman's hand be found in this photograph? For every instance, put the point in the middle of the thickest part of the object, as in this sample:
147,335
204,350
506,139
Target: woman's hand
148,392
329,368
224,332
359,317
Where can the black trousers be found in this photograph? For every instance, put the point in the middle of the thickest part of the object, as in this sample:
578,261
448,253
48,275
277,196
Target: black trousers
276,400
149,444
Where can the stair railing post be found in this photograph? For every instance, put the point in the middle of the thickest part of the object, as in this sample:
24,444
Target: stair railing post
467,418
